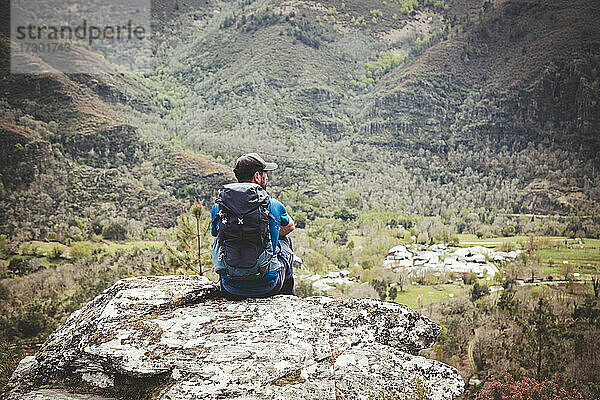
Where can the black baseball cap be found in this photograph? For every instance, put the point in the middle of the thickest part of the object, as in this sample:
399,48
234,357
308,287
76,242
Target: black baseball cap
248,164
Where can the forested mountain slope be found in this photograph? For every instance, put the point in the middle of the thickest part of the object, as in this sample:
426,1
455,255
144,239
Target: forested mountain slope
90,148
422,106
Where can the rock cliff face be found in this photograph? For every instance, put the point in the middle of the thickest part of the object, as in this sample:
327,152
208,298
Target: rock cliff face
174,338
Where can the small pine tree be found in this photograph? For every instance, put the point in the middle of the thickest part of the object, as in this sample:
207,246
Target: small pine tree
191,250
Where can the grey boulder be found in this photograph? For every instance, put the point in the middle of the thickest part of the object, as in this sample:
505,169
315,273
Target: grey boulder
173,337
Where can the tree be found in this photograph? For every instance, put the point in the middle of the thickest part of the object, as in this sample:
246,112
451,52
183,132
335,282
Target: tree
537,350
401,278
567,270
114,231
393,292
191,250
3,245
478,291
596,285
57,251
80,250
381,285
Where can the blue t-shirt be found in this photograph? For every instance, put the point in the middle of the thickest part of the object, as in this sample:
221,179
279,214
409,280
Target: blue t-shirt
271,279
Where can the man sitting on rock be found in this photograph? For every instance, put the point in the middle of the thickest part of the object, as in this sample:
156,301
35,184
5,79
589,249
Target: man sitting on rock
252,252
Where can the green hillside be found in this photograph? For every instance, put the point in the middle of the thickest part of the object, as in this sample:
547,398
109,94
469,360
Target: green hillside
92,148
427,107
421,107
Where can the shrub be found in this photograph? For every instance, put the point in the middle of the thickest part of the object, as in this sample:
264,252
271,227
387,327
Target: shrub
469,278
3,244
9,358
74,233
507,388
393,293
381,286
81,250
25,249
363,291
508,246
57,251
366,263
508,230
4,292
21,265
31,323
303,288
114,231
478,291
416,390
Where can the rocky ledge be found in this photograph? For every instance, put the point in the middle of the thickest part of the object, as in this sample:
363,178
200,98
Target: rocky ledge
172,337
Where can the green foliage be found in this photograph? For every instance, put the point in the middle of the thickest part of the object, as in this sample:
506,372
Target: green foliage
3,246
540,329
344,214
260,19
393,293
407,6
366,263
191,251
114,231
23,265
385,62
306,32
80,250
435,3
9,359
316,262
508,230
4,292
57,251
478,291
422,44
32,322
381,285
333,229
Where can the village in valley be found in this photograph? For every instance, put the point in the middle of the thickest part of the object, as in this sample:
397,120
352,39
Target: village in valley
447,270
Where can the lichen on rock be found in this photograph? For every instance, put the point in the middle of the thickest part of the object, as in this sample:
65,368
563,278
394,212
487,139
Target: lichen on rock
173,337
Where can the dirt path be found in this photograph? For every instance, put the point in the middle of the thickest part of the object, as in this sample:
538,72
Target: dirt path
470,351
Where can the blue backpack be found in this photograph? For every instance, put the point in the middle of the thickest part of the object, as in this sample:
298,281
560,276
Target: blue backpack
243,247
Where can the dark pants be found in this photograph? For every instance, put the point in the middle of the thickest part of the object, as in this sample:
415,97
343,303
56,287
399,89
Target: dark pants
285,283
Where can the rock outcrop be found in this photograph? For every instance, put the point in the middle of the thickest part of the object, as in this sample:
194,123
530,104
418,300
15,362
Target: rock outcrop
173,338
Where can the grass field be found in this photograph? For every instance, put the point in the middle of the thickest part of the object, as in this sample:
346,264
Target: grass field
559,255
557,262
45,248
469,239
426,294
112,247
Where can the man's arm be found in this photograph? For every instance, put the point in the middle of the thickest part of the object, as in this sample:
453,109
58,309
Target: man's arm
286,230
